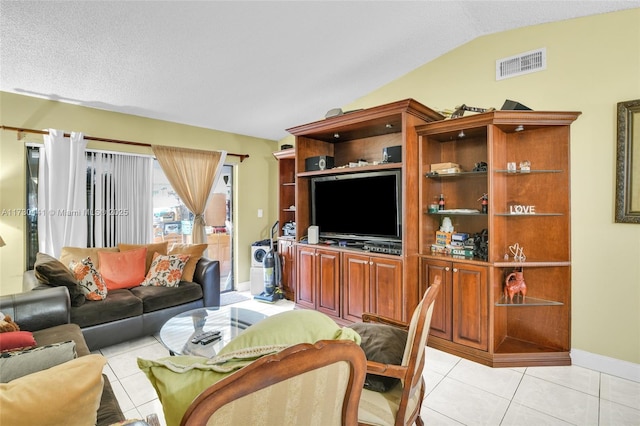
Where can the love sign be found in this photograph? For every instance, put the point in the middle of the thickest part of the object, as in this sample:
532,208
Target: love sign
518,209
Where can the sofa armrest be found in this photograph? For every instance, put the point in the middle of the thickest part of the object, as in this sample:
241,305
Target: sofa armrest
39,309
207,274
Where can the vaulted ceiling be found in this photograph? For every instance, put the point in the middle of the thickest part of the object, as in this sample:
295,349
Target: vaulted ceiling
253,68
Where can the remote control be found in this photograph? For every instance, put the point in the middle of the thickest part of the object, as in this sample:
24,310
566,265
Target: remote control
205,335
210,339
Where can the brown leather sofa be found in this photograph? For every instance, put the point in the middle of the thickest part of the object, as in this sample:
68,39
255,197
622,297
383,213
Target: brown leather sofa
46,314
127,314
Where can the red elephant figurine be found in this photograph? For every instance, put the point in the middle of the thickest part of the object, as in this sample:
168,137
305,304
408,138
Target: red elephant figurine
514,284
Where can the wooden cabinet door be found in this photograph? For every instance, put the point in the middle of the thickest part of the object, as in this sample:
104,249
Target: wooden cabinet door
386,287
442,317
286,249
328,282
470,305
355,278
305,277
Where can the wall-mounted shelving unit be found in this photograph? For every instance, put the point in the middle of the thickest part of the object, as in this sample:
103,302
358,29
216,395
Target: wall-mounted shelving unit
473,318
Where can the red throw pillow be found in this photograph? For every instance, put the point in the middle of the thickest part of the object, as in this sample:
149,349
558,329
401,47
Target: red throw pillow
124,269
16,340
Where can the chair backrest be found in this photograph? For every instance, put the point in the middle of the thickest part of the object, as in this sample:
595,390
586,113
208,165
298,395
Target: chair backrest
303,384
415,350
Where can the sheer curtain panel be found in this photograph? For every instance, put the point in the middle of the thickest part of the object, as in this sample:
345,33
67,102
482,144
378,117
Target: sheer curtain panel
62,200
192,173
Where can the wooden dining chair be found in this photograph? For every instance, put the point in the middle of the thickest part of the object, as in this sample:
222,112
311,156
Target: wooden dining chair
401,404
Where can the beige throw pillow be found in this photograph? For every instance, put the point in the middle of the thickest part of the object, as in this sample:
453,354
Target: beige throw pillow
67,254
67,394
195,252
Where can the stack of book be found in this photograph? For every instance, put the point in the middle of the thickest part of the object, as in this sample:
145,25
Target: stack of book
454,244
445,168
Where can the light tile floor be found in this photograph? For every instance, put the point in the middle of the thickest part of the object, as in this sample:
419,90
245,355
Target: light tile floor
459,392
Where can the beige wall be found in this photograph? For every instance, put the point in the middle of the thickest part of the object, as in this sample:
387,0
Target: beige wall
592,63
253,191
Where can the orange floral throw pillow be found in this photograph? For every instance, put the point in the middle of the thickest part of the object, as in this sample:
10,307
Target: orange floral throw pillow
166,271
89,279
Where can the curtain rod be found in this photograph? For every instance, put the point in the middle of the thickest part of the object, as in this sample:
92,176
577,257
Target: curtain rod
92,138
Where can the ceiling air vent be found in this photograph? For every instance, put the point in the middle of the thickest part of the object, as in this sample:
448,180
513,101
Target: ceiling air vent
523,63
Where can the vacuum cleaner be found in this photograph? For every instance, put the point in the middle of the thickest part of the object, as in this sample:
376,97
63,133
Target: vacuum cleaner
272,272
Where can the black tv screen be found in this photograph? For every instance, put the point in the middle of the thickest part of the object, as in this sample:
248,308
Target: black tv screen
362,206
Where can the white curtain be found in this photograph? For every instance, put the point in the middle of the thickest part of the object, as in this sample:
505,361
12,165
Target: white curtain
120,195
62,198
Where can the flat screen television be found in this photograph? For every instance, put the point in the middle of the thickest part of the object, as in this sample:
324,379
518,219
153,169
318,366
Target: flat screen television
358,206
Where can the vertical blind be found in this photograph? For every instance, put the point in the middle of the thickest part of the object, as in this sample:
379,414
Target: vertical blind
119,190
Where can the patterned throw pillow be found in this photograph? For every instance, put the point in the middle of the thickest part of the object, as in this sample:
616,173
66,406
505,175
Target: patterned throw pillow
15,364
166,271
89,279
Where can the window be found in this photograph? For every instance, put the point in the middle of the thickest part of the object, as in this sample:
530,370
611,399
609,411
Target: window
172,221
33,160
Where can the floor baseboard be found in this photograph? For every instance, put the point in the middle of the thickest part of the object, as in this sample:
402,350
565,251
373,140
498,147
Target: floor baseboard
604,364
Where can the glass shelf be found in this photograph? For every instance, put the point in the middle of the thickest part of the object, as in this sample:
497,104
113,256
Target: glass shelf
453,175
465,212
528,301
528,214
518,172
531,263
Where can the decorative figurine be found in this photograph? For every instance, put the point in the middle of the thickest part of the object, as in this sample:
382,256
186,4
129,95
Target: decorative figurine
514,284
517,252
485,202
462,108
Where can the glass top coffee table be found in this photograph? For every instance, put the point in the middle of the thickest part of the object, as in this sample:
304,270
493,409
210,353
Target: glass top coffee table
178,332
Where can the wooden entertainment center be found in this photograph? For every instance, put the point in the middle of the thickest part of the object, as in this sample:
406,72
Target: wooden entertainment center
526,208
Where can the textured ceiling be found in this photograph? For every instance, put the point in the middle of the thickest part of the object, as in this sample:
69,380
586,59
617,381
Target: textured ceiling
253,68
